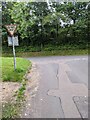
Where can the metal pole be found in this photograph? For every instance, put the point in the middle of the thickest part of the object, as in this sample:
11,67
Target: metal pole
14,57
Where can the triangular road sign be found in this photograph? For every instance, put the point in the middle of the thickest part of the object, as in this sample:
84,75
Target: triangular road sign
11,28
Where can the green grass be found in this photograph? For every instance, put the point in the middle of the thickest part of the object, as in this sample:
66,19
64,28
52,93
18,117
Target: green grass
50,53
8,73
10,110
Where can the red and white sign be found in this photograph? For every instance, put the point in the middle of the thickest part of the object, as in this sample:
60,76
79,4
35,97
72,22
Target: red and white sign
11,29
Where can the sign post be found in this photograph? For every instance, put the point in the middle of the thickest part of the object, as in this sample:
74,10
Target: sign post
11,29
14,52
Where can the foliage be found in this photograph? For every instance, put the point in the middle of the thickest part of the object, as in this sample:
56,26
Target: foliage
41,23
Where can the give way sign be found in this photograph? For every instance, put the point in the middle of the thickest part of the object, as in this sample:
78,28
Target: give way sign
11,28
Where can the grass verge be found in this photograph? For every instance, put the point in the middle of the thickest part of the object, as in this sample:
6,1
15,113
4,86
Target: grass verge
12,109
49,53
8,73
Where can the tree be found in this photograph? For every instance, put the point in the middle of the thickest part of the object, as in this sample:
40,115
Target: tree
41,23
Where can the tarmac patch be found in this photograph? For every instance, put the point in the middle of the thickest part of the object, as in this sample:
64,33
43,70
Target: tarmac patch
82,105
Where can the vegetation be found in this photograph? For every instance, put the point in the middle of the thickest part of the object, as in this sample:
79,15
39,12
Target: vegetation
43,26
43,29
8,73
50,53
11,109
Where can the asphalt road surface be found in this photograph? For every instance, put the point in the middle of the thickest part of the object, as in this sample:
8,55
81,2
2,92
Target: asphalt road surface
63,88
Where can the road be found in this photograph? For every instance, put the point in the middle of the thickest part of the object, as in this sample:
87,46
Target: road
62,88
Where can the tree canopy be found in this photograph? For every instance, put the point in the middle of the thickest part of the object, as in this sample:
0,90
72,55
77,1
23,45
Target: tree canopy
42,23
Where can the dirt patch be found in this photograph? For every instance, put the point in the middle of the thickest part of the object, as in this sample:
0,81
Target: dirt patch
33,83
31,89
7,90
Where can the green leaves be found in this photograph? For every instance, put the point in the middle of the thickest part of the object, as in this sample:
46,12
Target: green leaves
43,23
